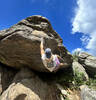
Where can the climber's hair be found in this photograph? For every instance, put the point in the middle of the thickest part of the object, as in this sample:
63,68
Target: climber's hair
48,53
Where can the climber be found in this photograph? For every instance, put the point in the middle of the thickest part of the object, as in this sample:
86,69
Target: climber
51,61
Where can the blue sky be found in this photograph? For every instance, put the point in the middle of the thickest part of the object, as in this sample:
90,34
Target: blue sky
59,12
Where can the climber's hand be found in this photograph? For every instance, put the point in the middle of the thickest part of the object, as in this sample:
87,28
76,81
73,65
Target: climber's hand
42,39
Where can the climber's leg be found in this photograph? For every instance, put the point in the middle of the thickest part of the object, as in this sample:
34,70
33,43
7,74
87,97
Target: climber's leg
63,64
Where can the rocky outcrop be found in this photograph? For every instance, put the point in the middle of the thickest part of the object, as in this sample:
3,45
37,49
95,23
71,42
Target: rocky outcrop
78,68
6,77
87,94
26,85
22,73
20,44
88,62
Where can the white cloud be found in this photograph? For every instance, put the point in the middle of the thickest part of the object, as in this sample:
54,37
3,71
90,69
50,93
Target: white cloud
77,50
92,44
85,22
85,39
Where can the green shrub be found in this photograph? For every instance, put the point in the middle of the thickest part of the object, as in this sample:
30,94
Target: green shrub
78,78
91,82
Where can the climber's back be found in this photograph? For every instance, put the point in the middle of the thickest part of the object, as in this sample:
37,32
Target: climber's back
50,60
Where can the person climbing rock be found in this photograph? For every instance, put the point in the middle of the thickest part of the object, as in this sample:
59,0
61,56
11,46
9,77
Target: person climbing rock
50,60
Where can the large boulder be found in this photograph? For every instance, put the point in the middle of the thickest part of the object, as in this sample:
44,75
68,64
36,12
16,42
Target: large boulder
79,69
87,93
20,44
88,62
28,86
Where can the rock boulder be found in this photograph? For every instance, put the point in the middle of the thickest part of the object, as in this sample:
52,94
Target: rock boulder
87,93
88,62
77,67
20,44
28,86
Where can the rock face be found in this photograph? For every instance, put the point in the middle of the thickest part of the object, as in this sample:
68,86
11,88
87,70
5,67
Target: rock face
6,77
88,62
28,86
87,94
77,67
20,44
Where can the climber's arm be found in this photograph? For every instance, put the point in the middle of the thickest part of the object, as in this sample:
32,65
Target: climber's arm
62,64
60,58
42,47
